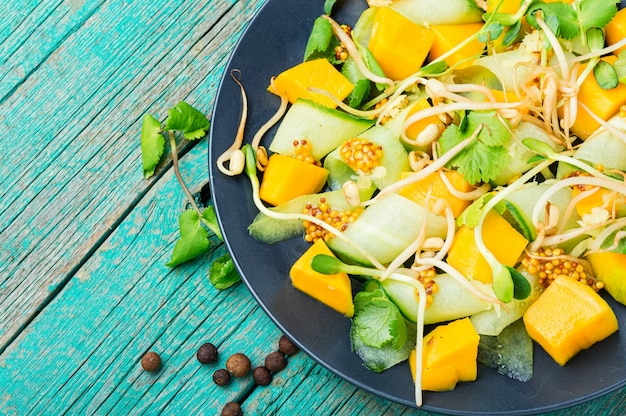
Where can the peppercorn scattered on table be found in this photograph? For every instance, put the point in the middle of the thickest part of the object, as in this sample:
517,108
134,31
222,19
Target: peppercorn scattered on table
84,238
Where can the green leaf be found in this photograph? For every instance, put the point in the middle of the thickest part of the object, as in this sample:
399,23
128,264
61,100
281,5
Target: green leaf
522,288
193,241
328,6
222,273
210,220
605,75
595,39
378,322
484,158
490,32
502,283
361,84
152,144
186,119
380,359
321,42
620,67
434,69
471,215
597,13
538,146
512,33
511,352
560,17
325,264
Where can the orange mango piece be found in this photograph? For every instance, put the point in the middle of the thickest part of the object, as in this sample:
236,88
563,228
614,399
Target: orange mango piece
414,130
600,198
449,355
286,178
448,37
615,30
319,73
610,269
333,290
506,244
434,186
569,316
603,103
399,45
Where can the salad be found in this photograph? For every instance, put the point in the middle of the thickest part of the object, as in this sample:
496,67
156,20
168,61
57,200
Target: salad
469,190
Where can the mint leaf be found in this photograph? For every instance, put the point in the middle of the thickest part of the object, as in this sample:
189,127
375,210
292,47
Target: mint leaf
484,158
597,13
222,273
152,144
186,119
210,220
193,241
321,42
377,321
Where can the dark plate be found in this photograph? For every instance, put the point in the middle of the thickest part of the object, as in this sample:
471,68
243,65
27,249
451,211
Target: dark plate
274,41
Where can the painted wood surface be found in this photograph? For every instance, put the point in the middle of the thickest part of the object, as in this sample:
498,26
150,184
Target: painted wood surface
84,291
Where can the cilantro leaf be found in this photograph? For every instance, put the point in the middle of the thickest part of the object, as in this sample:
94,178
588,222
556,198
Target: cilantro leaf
361,84
560,17
484,158
190,121
321,42
597,13
193,241
377,321
152,144
380,359
222,273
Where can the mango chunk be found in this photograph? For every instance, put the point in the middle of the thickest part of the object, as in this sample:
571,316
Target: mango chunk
434,188
449,356
286,177
319,73
569,316
448,37
414,131
506,243
399,45
610,269
334,290
601,198
603,103
615,30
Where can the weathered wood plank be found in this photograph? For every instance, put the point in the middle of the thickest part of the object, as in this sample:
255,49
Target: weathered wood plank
76,124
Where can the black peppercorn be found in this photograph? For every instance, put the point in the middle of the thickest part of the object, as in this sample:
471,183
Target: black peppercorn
151,361
232,409
207,353
238,365
275,361
221,377
286,346
262,376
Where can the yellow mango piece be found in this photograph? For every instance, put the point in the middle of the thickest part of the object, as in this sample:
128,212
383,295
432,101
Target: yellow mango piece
433,186
448,37
286,177
569,316
399,45
415,129
601,198
610,269
615,30
449,356
319,73
510,6
603,103
501,239
333,290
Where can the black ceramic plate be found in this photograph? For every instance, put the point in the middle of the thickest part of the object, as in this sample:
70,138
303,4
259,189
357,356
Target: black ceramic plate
274,41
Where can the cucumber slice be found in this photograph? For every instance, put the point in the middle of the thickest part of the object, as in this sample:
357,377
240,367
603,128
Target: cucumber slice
271,230
428,12
395,160
386,228
324,128
452,301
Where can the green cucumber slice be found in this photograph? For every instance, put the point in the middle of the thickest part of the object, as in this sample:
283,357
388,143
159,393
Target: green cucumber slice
386,228
325,128
428,12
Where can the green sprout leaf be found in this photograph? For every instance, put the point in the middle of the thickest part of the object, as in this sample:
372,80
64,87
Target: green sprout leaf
193,241
595,39
472,214
490,32
502,282
325,264
605,75
538,146
522,287
222,273
377,321
620,67
560,17
512,33
188,120
152,144
328,6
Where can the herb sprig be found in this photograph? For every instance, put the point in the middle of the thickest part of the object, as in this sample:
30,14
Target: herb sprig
194,223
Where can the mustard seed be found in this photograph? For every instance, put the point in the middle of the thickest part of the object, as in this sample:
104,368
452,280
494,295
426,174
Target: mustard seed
207,353
151,361
232,409
275,361
262,376
286,346
238,365
221,377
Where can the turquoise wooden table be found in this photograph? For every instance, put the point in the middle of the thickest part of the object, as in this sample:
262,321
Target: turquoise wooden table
84,238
